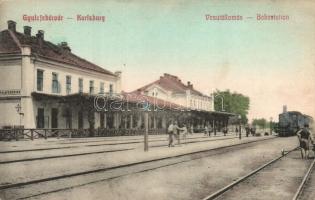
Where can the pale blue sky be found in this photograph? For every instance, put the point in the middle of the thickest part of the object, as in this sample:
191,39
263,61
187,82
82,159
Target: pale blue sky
253,57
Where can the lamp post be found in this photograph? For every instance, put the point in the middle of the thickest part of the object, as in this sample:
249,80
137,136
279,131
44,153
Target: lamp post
222,110
146,126
18,108
240,130
270,125
222,100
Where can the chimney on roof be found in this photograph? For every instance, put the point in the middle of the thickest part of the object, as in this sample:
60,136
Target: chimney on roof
189,85
40,37
12,25
27,30
65,46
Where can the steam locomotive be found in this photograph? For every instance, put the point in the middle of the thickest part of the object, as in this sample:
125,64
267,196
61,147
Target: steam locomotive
290,122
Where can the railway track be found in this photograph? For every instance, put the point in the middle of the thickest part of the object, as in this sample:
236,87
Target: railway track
305,183
221,193
240,180
94,152
129,139
91,145
131,168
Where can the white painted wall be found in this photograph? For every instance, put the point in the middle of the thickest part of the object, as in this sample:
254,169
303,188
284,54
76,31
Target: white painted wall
22,75
10,75
158,92
183,99
75,74
9,115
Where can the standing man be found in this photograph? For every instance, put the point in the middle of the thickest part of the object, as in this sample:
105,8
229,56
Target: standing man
247,130
206,130
172,130
225,130
176,132
170,134
305,139
184,132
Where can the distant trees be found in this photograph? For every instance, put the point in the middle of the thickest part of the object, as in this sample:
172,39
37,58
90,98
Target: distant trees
261,123
232,102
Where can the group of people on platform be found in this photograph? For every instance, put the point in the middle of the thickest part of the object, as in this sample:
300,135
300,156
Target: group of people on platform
304,135
250,130
176,132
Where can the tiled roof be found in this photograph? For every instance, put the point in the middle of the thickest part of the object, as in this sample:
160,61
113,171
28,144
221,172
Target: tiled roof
45,50
7,44
170,83
160,103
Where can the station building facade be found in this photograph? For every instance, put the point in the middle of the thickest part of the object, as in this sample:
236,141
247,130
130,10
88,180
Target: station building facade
183,103
171,88
46,86
36,74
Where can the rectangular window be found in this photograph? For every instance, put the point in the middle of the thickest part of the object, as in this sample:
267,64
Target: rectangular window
40,78
68,84
55,83
80,85
40,118
80,119
101,88
111,89
54,118
91,87
102,119
68,115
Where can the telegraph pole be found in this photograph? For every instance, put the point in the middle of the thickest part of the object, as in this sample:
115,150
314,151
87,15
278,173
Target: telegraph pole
146,133
270,125
240,128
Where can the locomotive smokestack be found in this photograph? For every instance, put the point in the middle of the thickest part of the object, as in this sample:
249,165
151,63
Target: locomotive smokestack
285,109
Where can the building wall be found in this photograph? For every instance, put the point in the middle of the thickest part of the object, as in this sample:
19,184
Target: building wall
75,74
179,99
158,93
18,79
49,105
10,76
201,102
184,99
10,88
9,115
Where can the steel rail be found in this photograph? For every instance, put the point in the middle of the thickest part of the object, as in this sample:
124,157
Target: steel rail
238,181
20,184
95,152
301,186
109,144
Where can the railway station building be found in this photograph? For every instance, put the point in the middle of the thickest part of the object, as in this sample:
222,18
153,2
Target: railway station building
36,74
46,86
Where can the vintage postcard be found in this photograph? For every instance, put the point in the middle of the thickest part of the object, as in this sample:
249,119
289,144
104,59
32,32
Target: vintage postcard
157,100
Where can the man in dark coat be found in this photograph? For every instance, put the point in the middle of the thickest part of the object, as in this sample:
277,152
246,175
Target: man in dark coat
306,140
